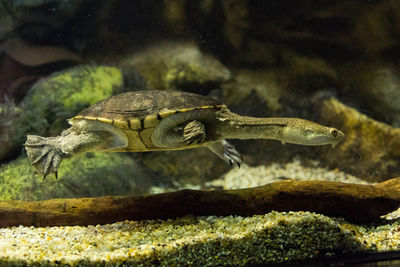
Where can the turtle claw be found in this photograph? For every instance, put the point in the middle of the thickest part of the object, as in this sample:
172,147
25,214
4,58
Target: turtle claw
231,154
44,154
227,152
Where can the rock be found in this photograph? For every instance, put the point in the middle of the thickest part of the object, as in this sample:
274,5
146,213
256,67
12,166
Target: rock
34,55
60,96
371,149
178,65
92,174
378,86
262,82
16,79
22,64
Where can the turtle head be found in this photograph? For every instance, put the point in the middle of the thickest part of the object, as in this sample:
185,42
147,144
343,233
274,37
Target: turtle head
327,136
44,154
314,134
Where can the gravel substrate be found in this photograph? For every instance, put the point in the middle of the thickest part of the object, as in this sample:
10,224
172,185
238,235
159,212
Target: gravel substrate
232,240
246,176
201,241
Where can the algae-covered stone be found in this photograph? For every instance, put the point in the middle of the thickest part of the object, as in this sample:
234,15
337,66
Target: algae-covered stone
177,65
371,149
265,82
92,174
58,97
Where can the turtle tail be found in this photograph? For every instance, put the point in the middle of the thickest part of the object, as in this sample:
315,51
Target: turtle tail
45,154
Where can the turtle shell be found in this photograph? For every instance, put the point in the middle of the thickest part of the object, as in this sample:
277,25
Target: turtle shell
138,112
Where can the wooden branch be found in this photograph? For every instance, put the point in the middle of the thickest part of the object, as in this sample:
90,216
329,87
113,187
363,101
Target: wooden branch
354,202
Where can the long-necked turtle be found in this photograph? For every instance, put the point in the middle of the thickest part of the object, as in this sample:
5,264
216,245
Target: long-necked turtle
167,120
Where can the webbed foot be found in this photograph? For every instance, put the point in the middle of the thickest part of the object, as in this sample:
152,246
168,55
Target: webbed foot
194,133
44,154
227,152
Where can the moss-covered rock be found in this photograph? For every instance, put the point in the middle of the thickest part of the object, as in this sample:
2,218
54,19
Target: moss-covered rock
371,149
263,82
89,175
60,96
177,65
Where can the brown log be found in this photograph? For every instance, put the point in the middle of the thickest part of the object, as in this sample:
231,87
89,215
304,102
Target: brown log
354,202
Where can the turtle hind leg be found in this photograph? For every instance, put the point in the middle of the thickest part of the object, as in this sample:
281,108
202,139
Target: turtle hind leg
44,153
226,151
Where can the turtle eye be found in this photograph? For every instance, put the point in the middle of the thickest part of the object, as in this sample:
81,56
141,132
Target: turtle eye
334,132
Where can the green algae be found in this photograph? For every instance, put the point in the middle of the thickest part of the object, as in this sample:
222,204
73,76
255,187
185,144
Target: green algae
52,100
85,85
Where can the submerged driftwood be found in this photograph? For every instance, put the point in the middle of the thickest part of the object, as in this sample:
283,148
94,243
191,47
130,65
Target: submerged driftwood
354,202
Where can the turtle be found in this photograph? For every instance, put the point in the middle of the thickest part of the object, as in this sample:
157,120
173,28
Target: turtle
152,120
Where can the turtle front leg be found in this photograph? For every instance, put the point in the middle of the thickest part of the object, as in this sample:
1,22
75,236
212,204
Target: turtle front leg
194,133
226,151
179,130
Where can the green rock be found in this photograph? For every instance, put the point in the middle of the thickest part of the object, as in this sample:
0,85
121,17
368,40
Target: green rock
177,65
51,101
89,175
371,149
